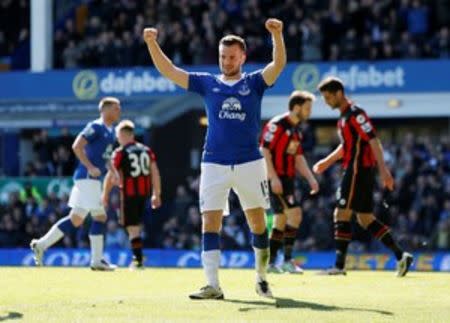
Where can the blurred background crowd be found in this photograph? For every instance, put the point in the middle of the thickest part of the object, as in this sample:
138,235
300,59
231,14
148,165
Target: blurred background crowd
418,210
102,33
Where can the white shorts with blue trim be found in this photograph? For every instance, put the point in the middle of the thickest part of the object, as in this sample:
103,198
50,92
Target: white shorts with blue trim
248,180
86,197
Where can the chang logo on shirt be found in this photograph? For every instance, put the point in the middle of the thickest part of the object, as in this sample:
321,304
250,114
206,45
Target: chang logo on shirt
232,109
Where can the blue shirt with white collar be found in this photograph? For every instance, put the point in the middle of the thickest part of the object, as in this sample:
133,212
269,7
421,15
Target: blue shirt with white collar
234,116
100,140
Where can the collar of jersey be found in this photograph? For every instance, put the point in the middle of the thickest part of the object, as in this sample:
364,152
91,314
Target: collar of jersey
100,122
222,82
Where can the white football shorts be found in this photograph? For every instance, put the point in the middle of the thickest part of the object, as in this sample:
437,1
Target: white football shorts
248,180
86,195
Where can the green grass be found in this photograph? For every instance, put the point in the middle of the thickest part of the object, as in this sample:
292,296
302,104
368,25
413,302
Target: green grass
160,295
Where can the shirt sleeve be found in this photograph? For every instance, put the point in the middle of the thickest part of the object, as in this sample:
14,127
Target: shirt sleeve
362,124
258,82
197,82
152,155
89,132
271,135
116,158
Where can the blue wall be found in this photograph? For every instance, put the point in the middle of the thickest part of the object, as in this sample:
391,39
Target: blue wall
230,259
142,83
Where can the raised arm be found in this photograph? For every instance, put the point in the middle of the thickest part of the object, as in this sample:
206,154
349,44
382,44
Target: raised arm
275,67
162,62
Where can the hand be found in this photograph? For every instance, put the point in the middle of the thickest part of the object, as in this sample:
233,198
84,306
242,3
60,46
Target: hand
105,200
94,171
276,186
320,167
150,35
156,201
314,187
274,25
386,179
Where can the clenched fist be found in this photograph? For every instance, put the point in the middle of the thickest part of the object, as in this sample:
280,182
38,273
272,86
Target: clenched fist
150,34
274,25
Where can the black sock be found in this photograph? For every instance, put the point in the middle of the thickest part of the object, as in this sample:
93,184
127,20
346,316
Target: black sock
382,233
136,247
275,242
289,239
342,237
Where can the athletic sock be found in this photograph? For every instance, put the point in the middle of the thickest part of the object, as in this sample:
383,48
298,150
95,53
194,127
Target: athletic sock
96,237
260,243
382,233
56,232
276,242
342,237
211,257
289,239
136,247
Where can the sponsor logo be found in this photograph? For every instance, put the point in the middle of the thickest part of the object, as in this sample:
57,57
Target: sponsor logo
355,77
85,85
306,77
244,90
228,260
232,110
135,83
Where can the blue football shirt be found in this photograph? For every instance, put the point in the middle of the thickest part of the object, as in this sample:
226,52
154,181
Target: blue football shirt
100,140
234,116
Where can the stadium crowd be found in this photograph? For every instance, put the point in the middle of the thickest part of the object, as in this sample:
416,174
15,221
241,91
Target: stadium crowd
314,31
101,33
419,208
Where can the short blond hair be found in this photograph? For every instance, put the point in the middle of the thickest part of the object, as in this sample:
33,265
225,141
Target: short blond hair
299,98
125,125
107,101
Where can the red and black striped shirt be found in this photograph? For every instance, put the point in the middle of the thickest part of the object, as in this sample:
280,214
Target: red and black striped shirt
355,130
133,161
283,139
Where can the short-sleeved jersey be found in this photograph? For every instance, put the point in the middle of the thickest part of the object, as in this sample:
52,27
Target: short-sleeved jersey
355,130
234,116
133,161
283,139
100,140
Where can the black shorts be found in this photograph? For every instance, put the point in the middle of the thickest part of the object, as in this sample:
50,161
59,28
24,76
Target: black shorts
287,200
356,190
133,210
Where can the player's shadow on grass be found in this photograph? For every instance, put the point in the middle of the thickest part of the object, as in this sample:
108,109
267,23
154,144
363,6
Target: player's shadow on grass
11,316
281,302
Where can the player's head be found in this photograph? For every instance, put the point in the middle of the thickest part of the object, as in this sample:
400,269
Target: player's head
125,132
332,90
232,55
109,108
300,104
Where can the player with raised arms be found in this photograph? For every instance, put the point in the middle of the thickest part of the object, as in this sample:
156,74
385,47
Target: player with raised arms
231,157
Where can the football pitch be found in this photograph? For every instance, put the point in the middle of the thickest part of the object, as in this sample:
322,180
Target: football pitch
160,295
